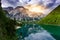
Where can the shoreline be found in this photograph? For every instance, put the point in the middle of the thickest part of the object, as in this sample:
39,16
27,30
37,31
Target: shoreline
49,24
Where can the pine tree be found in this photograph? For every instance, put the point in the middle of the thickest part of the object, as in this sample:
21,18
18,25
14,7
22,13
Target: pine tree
7,27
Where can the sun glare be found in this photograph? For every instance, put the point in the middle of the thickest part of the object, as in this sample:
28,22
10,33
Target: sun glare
34,10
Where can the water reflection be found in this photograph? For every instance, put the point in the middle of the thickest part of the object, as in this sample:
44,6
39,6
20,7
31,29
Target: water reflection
33,32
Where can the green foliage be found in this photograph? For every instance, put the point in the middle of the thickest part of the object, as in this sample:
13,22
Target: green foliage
52,18
7,26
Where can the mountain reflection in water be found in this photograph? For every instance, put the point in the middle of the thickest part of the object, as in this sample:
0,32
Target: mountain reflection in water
33,32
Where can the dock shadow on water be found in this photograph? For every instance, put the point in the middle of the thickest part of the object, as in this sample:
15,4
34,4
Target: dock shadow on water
33,32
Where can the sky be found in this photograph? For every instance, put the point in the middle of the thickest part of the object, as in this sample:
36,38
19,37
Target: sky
15,3
50,4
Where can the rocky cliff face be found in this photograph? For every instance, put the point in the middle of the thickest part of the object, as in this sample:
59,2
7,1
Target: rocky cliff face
8,9
21,13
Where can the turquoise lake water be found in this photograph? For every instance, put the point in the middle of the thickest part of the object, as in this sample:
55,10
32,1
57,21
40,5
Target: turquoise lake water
33,32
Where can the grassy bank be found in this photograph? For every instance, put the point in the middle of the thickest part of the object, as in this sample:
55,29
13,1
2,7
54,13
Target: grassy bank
52,18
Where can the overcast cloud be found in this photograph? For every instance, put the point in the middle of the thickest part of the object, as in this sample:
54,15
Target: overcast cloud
14,3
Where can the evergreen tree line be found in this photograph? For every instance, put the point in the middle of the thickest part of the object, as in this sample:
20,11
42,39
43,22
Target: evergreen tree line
7,26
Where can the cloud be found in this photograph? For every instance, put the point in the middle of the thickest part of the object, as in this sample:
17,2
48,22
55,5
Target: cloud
47,3
14,3
58,2
4,3
9,3
39,36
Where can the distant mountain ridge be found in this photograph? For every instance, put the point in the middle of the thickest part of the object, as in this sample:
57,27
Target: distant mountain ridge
8,9
15,13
